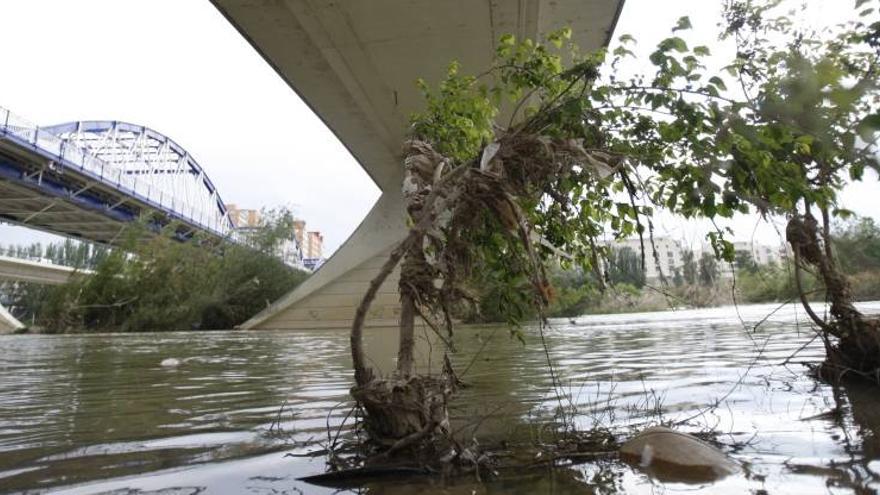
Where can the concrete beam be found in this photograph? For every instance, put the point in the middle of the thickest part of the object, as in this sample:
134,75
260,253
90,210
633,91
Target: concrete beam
8,323
19,270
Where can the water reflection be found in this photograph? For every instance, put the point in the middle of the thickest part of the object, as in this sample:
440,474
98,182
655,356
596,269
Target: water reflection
99,414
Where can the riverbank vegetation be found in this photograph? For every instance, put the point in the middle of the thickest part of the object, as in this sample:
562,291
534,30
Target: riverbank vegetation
154,282
701,284
581,156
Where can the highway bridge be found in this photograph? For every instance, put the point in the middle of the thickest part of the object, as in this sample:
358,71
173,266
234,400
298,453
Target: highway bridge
355,62
20,270
91,179
39,272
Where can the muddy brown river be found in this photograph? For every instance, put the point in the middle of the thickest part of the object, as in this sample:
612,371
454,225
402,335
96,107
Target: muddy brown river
101,414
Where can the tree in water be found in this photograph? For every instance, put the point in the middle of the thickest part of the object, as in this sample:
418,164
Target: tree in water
803,123
579,158
487,200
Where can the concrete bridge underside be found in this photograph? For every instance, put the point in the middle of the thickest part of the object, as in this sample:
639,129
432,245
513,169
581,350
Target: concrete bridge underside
354,63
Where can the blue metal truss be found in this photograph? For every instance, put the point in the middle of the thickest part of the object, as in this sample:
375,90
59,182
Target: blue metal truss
141,167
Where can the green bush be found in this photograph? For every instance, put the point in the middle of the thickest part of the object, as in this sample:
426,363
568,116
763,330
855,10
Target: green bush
769,283
156,283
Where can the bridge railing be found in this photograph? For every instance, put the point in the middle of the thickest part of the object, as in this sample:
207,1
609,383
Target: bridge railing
65,154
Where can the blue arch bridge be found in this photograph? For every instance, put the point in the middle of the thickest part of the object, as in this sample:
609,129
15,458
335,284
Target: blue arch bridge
91,179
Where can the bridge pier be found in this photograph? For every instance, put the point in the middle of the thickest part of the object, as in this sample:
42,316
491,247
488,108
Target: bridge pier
328,298
8,323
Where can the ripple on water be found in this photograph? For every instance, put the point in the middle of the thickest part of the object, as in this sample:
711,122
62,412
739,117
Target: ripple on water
98,410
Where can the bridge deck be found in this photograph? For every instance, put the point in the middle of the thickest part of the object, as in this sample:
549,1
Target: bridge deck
35,203
19,270
16,269
355,64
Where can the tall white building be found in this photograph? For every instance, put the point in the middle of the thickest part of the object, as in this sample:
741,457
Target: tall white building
666,255
661,256
761,253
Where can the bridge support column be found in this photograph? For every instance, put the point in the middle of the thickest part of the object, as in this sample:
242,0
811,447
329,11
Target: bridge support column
8,323
328,299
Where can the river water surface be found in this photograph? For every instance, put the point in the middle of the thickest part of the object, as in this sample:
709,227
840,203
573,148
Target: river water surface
100,414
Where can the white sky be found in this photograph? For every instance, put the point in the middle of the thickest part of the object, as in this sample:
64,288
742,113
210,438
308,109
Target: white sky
179,67
650,21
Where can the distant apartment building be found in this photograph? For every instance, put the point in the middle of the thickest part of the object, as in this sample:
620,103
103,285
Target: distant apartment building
290,253
662,255
666,255
314,247
304,250
762,254
242,218
312,242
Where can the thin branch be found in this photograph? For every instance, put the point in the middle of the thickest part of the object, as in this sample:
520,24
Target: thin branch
681,91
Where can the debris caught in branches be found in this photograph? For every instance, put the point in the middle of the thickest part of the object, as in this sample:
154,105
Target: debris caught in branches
586,158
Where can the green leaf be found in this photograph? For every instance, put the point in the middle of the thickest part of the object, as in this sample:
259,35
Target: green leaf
557,37
626,38
623,52
868,126
844,98
843,213
702,51
683,23
718,82
677,44
856,171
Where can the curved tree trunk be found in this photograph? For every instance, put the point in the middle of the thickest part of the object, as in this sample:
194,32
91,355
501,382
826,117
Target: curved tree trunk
857,349
362,373
404,412
407,343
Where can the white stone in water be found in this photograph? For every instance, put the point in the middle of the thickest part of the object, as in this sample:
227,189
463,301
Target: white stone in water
674,456
170,363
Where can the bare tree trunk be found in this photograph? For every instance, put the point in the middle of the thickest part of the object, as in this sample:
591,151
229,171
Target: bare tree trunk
363,374
858,338
406,339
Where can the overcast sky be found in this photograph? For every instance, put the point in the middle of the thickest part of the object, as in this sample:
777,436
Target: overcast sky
179,67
